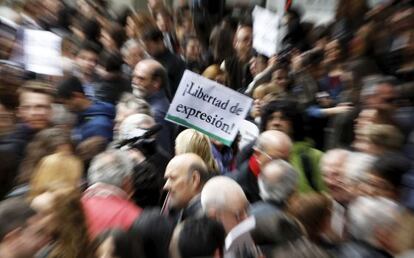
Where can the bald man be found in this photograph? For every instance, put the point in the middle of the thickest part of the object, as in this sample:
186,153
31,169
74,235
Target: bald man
270,145
223,199
150,82
185,177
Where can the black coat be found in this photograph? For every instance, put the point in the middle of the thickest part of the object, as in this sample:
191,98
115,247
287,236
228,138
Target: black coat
248,182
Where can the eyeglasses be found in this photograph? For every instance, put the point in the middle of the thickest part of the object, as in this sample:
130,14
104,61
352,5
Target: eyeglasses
268,156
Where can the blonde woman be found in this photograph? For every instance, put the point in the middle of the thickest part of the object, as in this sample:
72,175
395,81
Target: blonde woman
192,141
54,172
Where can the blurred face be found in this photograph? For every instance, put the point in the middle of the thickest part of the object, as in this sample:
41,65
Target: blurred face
87,60
135,54
373,185
243,41
192,50
179,185
106,249
29,239
280,77
107,41
35,109
332,51
383,98
163,22
130,27
279,122
333,177
142,81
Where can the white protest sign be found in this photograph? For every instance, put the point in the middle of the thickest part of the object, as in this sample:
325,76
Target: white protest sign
317,11
208,107
265,31
42,51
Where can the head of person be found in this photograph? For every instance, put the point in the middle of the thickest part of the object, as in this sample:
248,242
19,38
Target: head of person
333,52
87,58
153,41
284,116
333,165
198,237
46,142
272,145
214,73
372,219
380,138
163,19
64,219
192,48
385,176
379,92
280,78
113,37
358,164
185,176
19,237
134,126
133,52
192,141
155,231
112,167
224,200
56,171
243,42
258,64
149,77
70,92
130,105
314,211
278,181
116,243
35,105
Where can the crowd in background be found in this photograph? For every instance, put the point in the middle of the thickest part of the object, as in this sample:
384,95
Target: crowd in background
323,162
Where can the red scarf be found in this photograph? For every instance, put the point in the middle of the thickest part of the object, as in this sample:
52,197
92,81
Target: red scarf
254,165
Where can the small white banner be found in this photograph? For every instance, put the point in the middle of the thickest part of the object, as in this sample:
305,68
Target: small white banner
208,107
265,31
42,51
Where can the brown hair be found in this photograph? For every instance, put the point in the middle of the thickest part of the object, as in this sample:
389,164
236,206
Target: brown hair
69,222
55,171
311,210
45,142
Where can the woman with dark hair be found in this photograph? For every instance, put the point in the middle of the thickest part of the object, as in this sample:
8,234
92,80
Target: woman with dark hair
117,243
284,116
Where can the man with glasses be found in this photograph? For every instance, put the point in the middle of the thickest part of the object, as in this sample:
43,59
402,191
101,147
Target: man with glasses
270,145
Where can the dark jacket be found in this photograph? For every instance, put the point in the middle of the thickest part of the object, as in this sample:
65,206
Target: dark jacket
110,90
159,107
97,120
239,74
248,182
175,67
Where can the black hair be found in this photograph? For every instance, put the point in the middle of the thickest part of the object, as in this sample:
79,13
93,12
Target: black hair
155,231
68,86
89,46
289,112
13,214
201,238
124,245
152,34
391,166
91,29
111,61
117,34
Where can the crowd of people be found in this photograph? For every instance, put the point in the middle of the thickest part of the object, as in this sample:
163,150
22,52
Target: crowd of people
322,164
